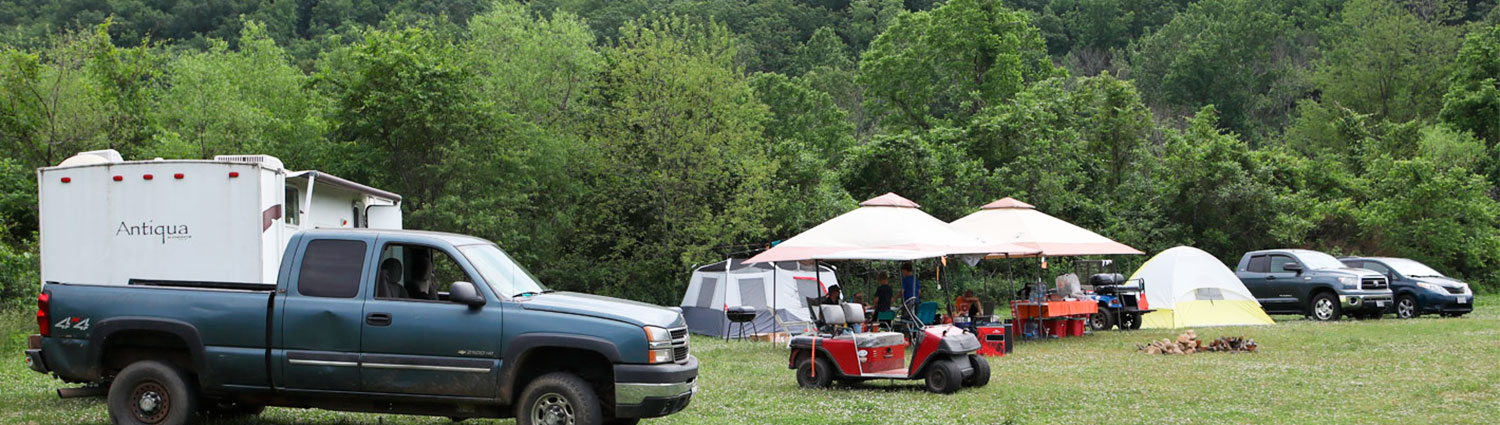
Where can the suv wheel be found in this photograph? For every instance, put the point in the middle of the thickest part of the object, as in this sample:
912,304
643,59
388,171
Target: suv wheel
1406,307
152,393
559,398
1325,307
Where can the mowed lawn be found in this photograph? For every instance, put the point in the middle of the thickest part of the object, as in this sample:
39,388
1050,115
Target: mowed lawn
1428,370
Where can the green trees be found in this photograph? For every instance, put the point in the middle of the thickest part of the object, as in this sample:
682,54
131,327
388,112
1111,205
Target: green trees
1387,61
1472,102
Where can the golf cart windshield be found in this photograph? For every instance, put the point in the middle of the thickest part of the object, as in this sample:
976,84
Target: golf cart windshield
1318,260
501,272
1411,268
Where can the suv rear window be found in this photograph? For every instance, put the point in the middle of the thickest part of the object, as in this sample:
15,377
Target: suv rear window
331,268
1259,264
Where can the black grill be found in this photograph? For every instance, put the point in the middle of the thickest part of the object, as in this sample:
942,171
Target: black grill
679,334
1454,290
679,345
1373,283
679,353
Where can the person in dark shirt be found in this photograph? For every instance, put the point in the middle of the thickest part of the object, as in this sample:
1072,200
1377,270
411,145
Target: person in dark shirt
834,297
883,293
910,288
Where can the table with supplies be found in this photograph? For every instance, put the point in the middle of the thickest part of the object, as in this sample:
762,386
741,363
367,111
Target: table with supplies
1052,318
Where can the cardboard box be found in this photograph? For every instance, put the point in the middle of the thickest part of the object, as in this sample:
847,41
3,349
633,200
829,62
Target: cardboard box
777,337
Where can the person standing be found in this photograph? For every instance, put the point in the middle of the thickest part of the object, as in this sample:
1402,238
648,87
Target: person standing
883,293
910,288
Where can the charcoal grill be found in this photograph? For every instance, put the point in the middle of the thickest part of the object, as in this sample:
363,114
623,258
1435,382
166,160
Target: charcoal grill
738,315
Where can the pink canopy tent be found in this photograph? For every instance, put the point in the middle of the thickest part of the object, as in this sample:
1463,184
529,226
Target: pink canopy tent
887,227
1012,221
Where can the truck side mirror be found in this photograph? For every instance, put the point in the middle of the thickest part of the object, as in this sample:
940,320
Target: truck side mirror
1292,267
465,293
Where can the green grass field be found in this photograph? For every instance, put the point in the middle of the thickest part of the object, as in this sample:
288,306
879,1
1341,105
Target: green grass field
1427,370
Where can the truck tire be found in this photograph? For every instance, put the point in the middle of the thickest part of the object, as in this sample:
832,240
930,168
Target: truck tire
814,373
1406,307
559,398
1325,307
150,392
1101,320
944,377
981,376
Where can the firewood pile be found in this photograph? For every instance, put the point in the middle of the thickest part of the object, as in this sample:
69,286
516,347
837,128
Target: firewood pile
1188,343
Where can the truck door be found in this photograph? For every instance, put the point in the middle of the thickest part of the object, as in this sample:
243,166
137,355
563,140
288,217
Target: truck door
1254,276
1284,287
322,316
416,341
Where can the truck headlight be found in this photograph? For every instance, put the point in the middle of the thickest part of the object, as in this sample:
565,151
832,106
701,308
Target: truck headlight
1349,282
660,342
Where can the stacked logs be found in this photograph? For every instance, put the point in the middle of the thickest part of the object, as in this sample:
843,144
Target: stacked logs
1188,343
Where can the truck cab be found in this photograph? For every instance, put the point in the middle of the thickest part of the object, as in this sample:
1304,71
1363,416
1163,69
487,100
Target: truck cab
1299,281
387,321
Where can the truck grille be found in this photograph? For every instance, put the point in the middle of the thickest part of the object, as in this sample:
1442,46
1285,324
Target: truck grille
1373,283
679,345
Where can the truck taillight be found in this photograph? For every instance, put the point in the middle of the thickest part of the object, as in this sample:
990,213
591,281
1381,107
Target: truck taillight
43,310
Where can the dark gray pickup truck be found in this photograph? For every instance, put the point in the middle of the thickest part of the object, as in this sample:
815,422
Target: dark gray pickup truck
1299,281
369,320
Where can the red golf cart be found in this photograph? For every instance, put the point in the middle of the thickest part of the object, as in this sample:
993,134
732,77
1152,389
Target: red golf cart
944,354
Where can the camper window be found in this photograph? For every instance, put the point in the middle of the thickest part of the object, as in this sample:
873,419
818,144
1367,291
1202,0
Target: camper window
418,273
293,209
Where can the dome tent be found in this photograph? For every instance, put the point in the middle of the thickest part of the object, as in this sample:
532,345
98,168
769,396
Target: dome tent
1188,287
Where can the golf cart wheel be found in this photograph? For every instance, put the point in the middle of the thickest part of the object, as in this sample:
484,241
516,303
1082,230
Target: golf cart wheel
152,393
559,398
814,373
1101,320
981,376
1406,307
1130,321
944,377
1325,308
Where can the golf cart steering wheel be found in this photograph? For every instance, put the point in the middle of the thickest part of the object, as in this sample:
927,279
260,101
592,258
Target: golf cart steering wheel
913,333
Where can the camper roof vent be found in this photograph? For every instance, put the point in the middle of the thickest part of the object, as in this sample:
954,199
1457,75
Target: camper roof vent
106,156
264,160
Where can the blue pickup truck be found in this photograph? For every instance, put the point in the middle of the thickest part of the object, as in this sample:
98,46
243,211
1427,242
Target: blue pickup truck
382,321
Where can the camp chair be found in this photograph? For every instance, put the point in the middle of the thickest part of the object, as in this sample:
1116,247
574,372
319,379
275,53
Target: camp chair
927,312
794,327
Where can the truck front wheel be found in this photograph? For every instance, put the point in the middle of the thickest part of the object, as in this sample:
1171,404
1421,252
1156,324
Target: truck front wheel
1325,307
152,393
559,398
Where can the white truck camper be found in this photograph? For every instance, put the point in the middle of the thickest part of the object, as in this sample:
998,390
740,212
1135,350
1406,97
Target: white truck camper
224,221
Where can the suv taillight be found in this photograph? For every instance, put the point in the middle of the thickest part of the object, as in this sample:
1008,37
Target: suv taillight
43,310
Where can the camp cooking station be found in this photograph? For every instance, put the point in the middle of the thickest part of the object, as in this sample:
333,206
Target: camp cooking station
1049,318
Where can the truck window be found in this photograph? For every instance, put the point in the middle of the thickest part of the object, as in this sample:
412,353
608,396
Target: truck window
1279,262
418,273
1259,264
292,211
331,268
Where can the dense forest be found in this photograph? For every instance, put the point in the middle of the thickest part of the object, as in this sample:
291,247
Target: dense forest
612,144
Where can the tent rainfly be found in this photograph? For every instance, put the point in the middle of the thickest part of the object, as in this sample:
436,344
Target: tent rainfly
1190,288
887,227
718,286
1011,221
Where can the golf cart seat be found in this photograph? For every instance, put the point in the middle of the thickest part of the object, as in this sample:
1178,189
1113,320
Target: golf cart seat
831,314
854,313
875,339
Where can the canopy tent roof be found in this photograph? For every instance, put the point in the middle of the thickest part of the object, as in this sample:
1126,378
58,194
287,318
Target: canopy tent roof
887,227
1011,221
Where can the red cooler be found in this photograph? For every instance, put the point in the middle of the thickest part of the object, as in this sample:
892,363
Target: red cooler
1075,326
1056,327
992,340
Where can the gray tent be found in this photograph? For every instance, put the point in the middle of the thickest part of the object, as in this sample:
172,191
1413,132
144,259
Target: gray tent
730,283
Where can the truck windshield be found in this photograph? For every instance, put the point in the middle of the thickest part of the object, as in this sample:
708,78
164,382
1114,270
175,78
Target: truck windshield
501,272
1411,268
1317,260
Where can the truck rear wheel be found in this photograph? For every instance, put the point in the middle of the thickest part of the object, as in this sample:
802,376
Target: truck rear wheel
149,392
1325,307
559,398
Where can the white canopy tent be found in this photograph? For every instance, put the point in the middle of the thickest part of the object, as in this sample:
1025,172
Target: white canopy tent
730,283
1011,221
887,227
